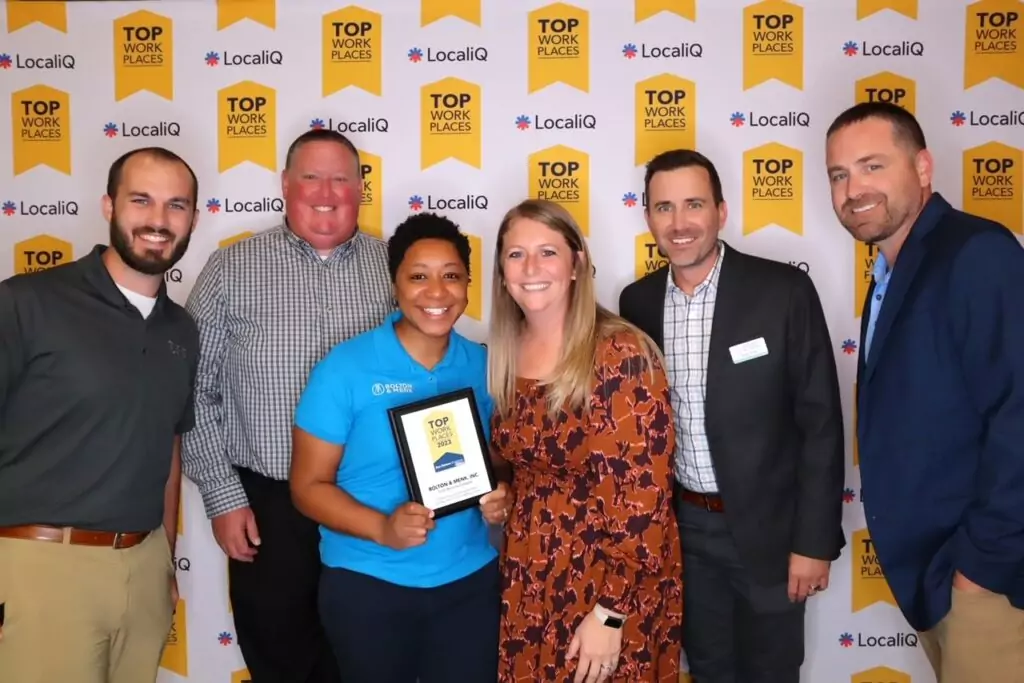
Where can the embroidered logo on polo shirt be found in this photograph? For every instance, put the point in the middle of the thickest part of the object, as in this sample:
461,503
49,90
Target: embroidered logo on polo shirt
177,349
379,389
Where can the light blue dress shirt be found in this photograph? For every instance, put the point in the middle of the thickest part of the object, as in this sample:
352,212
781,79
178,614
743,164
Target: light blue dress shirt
881,274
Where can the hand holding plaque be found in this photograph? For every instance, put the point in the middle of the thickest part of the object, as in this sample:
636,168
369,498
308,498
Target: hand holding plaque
407,526
443,451
495,505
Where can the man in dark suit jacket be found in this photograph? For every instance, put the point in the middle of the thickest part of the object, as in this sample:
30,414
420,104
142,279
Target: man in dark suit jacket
760,455
940,418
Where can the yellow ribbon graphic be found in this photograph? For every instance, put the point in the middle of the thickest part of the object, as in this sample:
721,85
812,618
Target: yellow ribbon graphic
864,256
41,128
232,11
143,55
644,9
994,42
887,87
247,126
371,210
562,175
559,47
647,257
351,50
433,10
21,13
228,241
773,43
41,252
773,192
665,116
865,8
441,430
475,308
869,584
880,674
175,655
993,184
450,122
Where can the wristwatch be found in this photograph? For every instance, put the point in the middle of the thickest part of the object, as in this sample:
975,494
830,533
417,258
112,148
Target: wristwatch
607,618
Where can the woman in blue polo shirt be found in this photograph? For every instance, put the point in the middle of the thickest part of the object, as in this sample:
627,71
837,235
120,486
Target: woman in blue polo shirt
403,597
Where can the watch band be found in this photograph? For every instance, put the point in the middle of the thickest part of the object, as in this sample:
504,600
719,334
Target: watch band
607,618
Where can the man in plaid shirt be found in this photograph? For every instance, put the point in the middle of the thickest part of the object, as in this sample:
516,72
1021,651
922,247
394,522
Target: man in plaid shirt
268,308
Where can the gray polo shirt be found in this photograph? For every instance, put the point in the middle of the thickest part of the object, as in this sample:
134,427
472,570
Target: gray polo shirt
91,396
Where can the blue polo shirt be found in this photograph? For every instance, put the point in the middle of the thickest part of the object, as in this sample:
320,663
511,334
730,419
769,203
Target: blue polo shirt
345,402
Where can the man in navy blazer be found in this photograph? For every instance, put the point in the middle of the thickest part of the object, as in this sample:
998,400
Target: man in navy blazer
940,402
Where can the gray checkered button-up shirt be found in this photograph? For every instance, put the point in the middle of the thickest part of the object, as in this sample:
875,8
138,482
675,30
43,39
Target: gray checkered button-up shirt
687,339
268,309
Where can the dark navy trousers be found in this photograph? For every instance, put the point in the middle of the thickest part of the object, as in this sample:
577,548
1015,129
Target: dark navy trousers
384,633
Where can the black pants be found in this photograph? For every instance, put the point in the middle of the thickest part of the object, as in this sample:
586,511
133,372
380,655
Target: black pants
735,630
274,598
383,633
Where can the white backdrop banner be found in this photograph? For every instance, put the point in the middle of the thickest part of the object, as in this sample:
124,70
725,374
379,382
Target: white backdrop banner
465,107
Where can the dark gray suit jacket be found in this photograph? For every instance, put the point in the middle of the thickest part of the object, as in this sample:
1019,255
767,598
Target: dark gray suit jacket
774,423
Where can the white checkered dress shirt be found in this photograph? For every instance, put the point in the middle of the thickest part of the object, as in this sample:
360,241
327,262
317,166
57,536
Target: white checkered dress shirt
268,309
687,338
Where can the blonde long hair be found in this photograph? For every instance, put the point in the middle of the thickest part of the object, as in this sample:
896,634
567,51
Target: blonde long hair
587,322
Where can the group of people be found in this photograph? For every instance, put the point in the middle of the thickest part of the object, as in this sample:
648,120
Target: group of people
669,477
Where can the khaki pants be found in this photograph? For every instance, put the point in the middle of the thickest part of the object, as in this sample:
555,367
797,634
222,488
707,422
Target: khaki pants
980,640
83,613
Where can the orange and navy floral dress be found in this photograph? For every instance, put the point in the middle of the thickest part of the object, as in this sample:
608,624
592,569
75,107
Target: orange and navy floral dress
593,520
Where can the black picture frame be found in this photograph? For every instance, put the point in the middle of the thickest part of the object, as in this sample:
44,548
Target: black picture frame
397,418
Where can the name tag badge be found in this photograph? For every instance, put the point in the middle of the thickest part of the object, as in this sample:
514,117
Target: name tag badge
755,348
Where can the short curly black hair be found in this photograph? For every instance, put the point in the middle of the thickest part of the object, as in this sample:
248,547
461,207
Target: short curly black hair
422,226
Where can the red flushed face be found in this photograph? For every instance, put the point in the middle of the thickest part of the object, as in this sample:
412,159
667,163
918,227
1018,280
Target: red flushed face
322,191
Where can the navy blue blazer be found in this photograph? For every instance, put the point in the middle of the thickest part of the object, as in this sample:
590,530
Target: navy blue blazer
940,414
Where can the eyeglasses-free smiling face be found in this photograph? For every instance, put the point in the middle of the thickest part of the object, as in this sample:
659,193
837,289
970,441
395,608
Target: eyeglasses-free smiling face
538,266
322,192
432,286
683,217
876,179
152,215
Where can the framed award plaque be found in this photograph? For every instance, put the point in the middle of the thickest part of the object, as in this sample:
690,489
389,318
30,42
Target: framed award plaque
444,451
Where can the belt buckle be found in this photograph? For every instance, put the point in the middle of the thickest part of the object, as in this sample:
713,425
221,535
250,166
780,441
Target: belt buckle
118,537
707,502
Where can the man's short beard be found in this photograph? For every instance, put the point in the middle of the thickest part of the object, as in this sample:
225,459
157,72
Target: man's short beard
151,265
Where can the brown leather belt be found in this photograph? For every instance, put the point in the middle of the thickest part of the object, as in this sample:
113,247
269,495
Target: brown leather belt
712,502
72,536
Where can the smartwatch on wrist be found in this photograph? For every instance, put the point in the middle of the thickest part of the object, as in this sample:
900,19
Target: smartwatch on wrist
607,618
